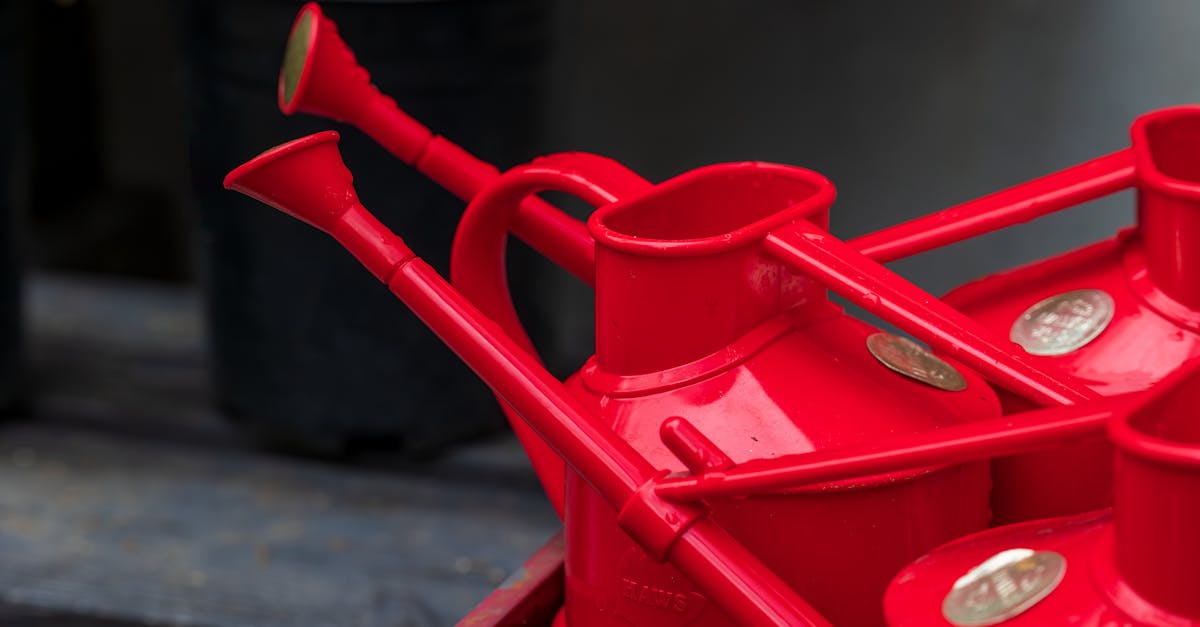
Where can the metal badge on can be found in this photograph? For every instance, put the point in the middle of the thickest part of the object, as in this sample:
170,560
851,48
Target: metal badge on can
912,360
1003,586
1063,323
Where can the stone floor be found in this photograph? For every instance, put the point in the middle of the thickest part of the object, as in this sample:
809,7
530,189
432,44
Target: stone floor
127,499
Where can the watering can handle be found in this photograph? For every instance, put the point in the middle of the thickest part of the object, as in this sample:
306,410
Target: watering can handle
811,250
477,267
1060,190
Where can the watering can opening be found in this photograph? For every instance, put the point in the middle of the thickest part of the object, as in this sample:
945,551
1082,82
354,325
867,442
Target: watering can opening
680,270
1165,144
1155,546
1166,148
295,56
272,177
718,207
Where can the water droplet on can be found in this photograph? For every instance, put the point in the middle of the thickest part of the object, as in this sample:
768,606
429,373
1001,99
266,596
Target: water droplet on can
1064,323
1003,586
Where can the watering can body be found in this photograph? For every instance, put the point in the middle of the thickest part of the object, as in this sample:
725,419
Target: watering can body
711,353
719,363
693,320
1140,346
836,543
1130,564
1120,315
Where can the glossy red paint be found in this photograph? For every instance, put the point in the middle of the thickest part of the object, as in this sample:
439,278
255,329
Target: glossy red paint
477,268
961,443
328,81
704,318
1146,270
1133,564
477,261
732,577
882,292
732,451
1155,329
780,356
327,202
696,320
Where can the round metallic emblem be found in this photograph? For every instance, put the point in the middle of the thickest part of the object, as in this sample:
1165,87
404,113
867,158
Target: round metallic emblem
1064,323
912,360
1003,586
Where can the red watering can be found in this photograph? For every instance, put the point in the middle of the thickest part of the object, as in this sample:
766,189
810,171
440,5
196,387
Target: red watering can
1120,315
718,355
798,437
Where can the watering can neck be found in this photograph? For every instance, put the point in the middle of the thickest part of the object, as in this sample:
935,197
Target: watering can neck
1166,149
681,272
1155,511
1169,225
653,314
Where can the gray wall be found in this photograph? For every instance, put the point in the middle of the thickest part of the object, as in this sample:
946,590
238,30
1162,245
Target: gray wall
907,106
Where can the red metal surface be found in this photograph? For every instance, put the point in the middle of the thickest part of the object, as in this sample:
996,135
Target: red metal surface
478,271
694,320
878,290
330,82
477,266
1155,329
791,334
735,580
733,452
951,445
619,524
1131,565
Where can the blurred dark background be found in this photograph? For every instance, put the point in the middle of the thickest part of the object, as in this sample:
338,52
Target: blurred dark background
160,307
908,108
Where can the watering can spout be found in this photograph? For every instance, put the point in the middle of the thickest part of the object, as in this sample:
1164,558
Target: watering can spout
320,76
307,180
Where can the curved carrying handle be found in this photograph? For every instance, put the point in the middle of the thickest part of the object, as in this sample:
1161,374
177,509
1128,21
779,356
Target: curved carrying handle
477,261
